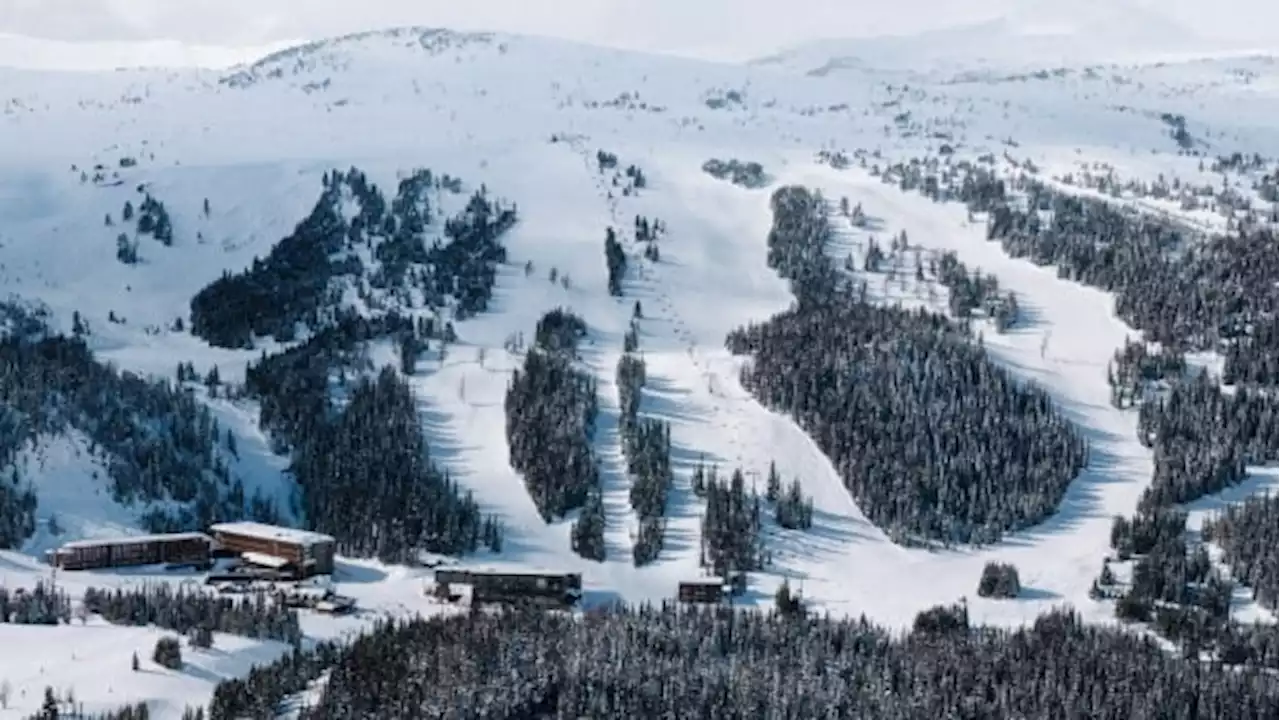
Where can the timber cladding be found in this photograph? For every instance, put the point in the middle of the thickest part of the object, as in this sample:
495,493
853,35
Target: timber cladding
308,552
494,586
130,551
701,592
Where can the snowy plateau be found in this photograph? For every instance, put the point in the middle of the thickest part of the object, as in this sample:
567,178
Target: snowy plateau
239,156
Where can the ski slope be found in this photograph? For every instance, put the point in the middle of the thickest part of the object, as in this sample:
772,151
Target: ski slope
93,663
525,116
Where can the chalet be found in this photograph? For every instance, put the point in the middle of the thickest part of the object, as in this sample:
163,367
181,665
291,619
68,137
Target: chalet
172,548
515,587
295,553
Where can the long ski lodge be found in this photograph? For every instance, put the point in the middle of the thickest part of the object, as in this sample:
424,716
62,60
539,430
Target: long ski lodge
286,551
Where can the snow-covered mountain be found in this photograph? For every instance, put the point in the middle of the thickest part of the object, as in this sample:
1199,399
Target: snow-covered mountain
239,157
20,51
1032,35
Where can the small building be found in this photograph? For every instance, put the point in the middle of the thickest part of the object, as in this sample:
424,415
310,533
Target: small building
550,589
336,605
191,548
705,590
299,553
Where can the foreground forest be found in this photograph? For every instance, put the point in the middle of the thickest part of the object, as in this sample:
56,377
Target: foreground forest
673,663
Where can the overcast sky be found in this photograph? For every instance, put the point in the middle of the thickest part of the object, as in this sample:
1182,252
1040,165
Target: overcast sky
728,29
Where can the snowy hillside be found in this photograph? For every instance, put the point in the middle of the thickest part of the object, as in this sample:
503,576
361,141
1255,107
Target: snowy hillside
1031,35
239,159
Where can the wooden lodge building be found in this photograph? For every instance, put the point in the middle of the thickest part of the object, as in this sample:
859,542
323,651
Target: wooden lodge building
298,553
284,551
703,591
173,548
712,590
548,589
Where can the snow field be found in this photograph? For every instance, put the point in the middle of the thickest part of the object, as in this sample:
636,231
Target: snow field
258,153
94,663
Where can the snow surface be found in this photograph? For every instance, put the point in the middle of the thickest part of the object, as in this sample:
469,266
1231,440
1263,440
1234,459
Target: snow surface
94,662
484,107
271,532
20,51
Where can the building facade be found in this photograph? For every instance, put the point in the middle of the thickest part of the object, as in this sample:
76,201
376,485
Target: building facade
551,589
300,552
705,591
171,548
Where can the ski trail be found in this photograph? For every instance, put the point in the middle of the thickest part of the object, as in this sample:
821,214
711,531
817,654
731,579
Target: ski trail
1062,554
683,512
601,356
620,521
751,436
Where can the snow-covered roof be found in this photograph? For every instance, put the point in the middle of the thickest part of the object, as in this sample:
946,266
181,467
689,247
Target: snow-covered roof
263,531
274,562
126,539
491,570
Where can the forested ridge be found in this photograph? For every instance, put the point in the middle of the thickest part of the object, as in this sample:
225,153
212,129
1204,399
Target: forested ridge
363,465
186,611
352,429
1185,293
706,663
551,409
1249,534
395,254
934,441
162,450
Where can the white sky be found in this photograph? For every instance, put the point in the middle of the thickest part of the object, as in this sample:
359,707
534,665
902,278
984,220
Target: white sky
728,29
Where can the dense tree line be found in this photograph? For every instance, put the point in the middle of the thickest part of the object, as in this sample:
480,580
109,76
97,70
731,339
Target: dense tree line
168,653
1185,293
747,174
586,535
551,412
1203,438
731,539
185,611
159,443
41,605
1137,367
260,693
646,447
1218,294
363,465
1249,535
615,259
999,580
792,508
294,285
972,291
17,505
389,497
932,439
703,663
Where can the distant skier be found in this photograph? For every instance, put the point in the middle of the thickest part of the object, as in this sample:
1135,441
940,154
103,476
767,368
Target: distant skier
1044,344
